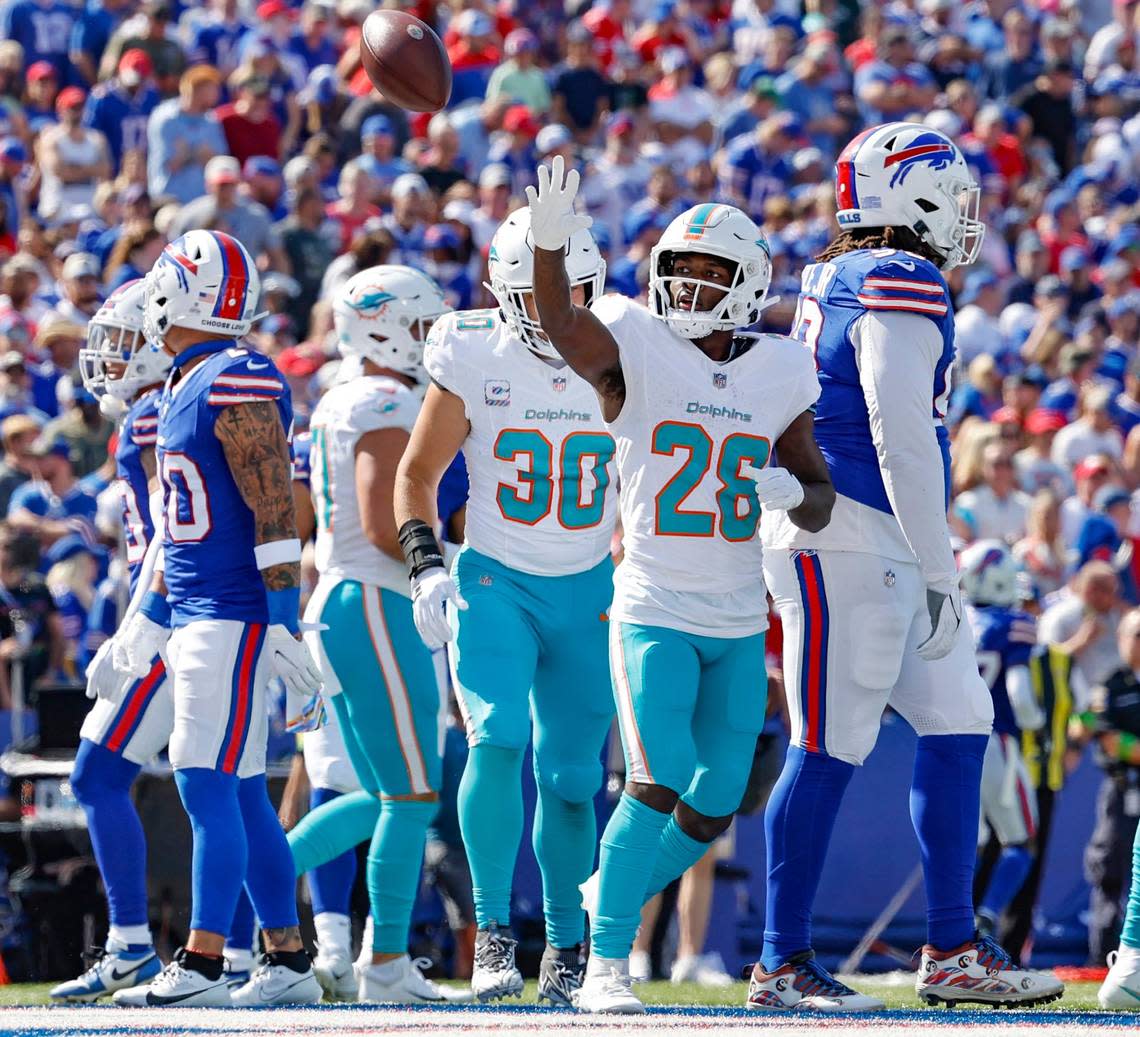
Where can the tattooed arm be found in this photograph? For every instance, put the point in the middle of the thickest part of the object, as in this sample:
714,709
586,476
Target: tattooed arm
253,440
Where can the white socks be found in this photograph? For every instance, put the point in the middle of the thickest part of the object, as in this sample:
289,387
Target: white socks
334,934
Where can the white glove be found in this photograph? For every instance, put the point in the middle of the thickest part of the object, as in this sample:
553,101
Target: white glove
552,218
293,663
137,643
944,603
103,680
431,590
776,488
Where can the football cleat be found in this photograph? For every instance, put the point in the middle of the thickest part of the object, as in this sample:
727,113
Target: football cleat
238,967
402,982
336,975
607,989
802,984
275,983
980,972
115,967
1121,987
560,975
495,974
177,984
706,969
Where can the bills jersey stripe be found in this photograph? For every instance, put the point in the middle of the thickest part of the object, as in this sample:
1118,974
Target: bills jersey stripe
239,380
875,302
241,696
217,398
898,284
134,707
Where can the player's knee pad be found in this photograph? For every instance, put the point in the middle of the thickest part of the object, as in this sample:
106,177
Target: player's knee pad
701,827
99,774
573,782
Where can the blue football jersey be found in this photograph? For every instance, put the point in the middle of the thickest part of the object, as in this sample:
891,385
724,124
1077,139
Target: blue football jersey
138,432
833,296
1004,638
211,572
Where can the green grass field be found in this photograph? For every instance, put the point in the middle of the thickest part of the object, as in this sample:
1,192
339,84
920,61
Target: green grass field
896,991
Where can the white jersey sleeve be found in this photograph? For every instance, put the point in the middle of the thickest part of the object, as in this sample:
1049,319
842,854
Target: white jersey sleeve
440,353
895,382
345,414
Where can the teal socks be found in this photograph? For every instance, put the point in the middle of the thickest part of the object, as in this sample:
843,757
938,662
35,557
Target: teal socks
393,874
564,837
676,854
629,852
491,820
325,833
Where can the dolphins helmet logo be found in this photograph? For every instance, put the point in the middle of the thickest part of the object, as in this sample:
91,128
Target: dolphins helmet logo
926,149
371,302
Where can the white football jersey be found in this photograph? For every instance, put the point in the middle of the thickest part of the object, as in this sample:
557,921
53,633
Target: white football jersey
345,413
539,457
692,554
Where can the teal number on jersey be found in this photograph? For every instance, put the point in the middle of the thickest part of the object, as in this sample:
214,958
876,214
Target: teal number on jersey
530,501
579,505
322,488
673,519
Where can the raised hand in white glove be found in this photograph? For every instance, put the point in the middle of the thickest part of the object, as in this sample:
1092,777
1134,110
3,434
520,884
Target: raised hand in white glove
431,590
944,604
776,488
552,218
136,645
292,662
103,680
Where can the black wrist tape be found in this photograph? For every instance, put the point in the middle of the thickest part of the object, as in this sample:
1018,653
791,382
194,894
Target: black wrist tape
420,547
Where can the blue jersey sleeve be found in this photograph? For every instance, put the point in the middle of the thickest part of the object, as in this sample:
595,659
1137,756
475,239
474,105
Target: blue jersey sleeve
246,378
898,282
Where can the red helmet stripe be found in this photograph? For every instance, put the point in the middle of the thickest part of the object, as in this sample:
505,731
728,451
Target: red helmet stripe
235,280
922,149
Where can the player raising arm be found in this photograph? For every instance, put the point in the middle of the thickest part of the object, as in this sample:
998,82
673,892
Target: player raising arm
699,412
231,594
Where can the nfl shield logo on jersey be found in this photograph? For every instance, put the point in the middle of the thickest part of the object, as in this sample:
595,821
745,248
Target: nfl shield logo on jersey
496,392
559,383
720,379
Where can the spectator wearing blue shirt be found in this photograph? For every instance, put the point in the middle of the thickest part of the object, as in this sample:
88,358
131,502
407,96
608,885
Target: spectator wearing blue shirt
441,251
894,85
1017,64
806,91
662,202
378,155
183,135
514,148
60,342
54,505
13,200
43,29
215,37
91,34
16,390
758,166
119,108
629,273
1103,533
1125,409
411,201
311,41
761,100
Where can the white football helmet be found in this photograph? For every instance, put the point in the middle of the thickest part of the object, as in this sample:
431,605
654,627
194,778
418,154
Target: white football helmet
904,174
711,230
117,361
510,264
384,313
204,280
989,574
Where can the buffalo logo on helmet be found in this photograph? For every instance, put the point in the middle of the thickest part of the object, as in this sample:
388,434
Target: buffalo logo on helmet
371,302
926,149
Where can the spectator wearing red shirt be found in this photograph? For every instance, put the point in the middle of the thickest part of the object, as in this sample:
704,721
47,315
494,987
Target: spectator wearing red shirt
661,30
474,57
606,20
248,122
1003,149
1060,228
352,209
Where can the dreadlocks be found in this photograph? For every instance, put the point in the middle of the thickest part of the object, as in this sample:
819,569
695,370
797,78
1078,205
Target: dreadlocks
902,238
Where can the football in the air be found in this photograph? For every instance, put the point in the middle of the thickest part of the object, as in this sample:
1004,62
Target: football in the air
405,60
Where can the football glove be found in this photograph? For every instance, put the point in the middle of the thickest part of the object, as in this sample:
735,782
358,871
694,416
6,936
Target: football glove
136,645
293,663
431,591
776,488
553,221
944,604
103,680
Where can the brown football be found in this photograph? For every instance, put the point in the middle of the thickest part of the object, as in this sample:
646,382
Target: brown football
405,61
